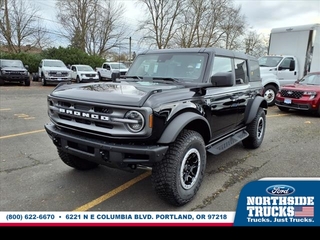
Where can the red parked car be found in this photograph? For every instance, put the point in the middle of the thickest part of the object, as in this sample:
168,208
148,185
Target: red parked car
303,95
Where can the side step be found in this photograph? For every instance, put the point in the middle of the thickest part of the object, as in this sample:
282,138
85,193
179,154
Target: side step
224,144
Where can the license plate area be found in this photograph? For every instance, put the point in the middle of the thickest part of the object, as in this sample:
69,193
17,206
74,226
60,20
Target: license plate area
287,101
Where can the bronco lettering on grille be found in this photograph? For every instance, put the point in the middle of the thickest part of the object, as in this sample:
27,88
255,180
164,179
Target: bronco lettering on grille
84,114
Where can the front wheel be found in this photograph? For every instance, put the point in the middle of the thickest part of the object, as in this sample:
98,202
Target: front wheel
270,94
76,162
256,130
27,82
178,177
43,80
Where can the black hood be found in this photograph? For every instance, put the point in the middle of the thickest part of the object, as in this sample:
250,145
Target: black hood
118,93
14,69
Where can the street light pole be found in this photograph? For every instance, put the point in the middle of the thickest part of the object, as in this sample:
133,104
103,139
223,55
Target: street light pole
130,50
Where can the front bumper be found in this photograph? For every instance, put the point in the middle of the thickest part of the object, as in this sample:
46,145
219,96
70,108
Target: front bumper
88,80
103,152
303,106
14,78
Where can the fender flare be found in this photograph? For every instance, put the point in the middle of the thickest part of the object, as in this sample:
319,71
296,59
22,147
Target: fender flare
252,108
178,124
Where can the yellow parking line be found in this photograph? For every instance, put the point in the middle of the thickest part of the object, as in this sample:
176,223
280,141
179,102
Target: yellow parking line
21,134
277,115
112,193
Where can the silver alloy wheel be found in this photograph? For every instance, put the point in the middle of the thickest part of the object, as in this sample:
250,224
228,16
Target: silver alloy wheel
190,168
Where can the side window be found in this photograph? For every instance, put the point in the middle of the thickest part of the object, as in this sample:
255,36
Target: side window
254,71
221,64
108,67
104,66
286,63
240,67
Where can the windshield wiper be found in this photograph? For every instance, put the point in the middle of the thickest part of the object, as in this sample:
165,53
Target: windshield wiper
165,79
134,77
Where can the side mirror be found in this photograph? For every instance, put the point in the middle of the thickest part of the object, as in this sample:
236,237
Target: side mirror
26,66
222,79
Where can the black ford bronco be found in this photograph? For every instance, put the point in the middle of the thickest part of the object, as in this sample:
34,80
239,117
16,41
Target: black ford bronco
173,108
12,70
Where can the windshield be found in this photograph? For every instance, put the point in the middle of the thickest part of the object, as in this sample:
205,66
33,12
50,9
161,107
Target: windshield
11,63
85,68
182,66
269,61
118,66
310,79
52,63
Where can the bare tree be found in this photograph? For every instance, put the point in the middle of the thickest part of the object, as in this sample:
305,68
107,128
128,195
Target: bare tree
233,27
255,44
93,26
201,23
160,26
20,26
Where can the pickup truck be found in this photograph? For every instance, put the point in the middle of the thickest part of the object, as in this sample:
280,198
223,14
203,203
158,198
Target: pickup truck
12,70
53,71
172,109
112,71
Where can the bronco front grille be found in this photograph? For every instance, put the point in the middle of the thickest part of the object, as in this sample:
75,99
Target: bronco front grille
291,93
105,119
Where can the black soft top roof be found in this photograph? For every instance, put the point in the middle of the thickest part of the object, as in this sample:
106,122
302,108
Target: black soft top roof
210,50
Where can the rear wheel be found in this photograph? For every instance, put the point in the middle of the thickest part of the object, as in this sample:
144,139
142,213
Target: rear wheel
76,162
178,177
256,130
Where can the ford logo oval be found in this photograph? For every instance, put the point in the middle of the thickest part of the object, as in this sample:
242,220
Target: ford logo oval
280,190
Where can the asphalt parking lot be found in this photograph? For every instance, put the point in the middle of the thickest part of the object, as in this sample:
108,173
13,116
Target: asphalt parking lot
33,178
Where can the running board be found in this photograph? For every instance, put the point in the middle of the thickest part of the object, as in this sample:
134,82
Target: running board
223,145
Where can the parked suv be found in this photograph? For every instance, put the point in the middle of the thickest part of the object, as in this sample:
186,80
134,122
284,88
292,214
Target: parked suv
53,71
173,108
303,95
83,73
14,71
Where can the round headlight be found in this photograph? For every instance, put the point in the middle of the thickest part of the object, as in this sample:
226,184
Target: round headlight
135,121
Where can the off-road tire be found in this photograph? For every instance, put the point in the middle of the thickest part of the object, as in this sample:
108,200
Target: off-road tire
76,162
43,80
270,93
177,178
27,82
256,130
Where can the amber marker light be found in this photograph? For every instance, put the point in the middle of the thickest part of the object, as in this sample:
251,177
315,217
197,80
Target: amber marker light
150,121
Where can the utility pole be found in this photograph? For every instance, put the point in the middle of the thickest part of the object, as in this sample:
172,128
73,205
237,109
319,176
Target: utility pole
130,50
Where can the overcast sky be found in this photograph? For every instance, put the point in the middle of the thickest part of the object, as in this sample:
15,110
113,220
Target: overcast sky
261,15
